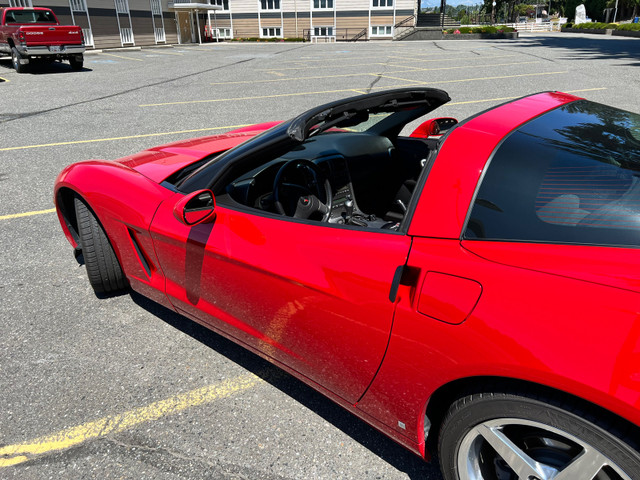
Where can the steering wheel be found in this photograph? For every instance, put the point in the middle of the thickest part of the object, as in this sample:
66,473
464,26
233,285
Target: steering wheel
302,200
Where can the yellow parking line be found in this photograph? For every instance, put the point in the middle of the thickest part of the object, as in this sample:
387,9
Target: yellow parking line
128,137
500,77
257,97
112,424
120,56
26,214
167,53
379,62
355,89
4,79
363,74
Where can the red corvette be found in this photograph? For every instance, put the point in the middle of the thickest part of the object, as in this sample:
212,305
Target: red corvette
471,289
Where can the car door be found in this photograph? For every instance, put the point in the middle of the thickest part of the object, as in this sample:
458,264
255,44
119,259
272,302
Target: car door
312,296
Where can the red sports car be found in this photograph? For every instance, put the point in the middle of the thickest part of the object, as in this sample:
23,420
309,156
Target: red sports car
471,289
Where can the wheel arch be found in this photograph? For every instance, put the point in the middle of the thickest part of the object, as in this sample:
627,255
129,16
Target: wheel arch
440,401
64,201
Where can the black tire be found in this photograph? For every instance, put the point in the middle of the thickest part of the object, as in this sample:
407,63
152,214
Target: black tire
76,62
527,430
103,268
15,60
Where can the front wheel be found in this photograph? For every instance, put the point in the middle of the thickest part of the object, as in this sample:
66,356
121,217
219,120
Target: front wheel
16,60
500,436
103,268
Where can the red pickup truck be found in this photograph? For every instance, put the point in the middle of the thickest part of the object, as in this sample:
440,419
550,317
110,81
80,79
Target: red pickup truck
35,34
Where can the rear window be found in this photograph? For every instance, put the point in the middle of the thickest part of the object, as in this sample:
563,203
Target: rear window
29,16
569,176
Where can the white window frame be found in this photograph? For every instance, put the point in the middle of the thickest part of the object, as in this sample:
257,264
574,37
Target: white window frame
224,32
273,2
221,3
325,7
323,31
387,28
388,4
276,30
21,3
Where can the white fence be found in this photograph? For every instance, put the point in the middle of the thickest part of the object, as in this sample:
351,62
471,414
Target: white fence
535,27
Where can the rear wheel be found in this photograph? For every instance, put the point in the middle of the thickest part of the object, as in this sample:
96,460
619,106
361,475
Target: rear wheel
16,57
103,268
76,62
499,436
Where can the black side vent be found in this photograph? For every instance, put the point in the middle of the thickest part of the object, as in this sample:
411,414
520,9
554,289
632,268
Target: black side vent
141,256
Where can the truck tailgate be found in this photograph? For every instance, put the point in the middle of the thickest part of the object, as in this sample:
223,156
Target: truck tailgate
53,35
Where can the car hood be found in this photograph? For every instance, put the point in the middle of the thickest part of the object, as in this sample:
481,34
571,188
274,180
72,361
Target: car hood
160,162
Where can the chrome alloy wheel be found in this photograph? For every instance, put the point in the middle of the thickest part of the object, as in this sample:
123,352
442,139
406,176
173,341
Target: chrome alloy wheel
519,449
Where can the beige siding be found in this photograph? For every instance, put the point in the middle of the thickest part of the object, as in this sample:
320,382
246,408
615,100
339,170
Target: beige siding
243,6
246,28
290,27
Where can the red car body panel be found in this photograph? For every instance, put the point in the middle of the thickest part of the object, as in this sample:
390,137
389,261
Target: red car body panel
452,181
341,333
330,275
499,339
160,162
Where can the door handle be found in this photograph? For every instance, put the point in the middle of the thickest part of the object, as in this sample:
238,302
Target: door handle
404,275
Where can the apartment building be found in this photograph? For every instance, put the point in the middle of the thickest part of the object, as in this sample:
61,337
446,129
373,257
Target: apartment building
117,23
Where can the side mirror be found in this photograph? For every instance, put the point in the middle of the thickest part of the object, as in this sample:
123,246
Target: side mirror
195,208
434,127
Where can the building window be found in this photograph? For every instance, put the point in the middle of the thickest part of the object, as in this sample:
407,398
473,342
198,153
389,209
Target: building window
221,3
323,31
381,30
320,4
270,4
223,32
20,3
271,32
382,3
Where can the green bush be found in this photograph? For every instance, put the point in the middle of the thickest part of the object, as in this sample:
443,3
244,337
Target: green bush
465,30
629,26
596,26
490,30
568,25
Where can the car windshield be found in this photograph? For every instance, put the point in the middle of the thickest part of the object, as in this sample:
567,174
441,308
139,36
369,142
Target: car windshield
30,16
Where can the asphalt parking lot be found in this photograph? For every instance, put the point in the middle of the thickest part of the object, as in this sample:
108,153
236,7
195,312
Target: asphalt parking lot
121,388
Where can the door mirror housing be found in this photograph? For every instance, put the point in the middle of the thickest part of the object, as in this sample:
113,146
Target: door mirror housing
196,208
434,127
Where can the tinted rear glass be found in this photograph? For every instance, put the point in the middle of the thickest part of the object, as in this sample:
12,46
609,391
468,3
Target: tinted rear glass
569,176
29,16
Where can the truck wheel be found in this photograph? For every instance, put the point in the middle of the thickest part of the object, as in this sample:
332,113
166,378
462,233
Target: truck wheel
15,59
76,62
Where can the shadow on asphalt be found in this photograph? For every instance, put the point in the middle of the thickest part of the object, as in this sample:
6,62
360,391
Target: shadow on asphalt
40,68
377,443
589,47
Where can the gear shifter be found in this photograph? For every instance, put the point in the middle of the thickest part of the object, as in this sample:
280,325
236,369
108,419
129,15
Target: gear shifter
348,205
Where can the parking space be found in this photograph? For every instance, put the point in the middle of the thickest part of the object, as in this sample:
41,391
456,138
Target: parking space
120,387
